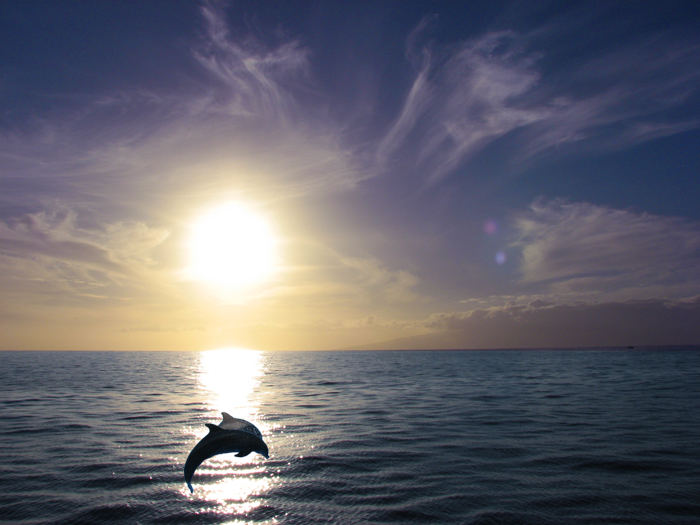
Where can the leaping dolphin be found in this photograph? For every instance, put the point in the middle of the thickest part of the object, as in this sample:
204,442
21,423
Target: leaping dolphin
231,435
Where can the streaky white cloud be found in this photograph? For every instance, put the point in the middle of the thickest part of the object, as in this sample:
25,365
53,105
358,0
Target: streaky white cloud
259,80
457,105
414,105
261,115
377,279
587,248
644,131
323,275
468,96
51,252
241,123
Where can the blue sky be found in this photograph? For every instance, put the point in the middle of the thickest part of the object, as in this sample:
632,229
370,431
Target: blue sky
440,174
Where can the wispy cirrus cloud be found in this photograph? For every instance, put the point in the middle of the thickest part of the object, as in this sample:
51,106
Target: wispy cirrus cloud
321,274
253,116
458,104
259,80
466,97
239,122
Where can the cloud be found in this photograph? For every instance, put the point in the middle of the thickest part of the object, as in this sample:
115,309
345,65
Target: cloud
415,104
258,81
542,324
457,105
322,276
49,236
252,116
394,286
466,97
586,248
241,122
46,253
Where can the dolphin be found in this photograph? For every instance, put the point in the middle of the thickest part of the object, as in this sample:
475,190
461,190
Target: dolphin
231,435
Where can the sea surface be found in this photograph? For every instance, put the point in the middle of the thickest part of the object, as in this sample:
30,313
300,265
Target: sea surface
550,436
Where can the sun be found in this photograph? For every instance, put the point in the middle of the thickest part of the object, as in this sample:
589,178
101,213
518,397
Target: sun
232,246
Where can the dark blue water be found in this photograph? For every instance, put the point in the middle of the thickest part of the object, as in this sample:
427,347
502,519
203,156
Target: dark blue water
355,437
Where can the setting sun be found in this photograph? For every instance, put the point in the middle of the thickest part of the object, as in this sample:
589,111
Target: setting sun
231,246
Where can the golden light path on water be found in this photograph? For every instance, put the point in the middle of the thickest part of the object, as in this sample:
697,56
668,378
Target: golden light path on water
229,378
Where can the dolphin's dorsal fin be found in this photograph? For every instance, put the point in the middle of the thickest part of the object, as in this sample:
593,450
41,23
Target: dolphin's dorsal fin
233,423
213,428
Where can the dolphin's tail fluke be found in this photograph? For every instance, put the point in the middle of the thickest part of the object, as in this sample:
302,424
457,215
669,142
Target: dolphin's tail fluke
193,461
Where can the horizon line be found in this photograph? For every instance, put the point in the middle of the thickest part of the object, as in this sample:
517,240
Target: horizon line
694,346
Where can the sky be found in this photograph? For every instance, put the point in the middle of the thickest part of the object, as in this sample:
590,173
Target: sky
436,174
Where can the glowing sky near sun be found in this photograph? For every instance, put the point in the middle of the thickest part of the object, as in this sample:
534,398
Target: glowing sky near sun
460,174
232,247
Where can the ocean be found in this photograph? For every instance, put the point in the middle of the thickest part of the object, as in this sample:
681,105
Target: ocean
474,437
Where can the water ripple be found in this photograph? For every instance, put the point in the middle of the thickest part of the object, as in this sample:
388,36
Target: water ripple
546,437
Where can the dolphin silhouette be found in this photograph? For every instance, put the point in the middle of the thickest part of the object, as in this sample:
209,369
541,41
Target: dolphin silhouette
231,435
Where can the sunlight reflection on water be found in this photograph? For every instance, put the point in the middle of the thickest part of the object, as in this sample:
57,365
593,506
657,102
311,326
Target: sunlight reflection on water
229,378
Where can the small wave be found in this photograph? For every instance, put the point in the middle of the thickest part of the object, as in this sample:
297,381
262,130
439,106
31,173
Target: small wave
483,447
21,401
74,426
93,467
259,514
157,446
375,412
405,515
26,430
568,501
115,482
115,513
18,512
622,465
496,517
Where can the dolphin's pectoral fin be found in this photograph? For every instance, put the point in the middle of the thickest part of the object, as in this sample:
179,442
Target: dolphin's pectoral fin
243,453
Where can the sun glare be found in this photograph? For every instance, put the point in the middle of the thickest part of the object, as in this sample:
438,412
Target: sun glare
229,378
232,246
